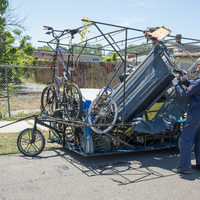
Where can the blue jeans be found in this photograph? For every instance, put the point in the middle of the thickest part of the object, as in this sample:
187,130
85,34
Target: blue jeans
190,137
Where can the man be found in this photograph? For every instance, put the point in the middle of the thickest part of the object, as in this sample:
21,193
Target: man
190,136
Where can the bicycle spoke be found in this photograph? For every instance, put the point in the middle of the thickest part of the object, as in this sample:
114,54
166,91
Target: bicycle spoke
27,147
35,146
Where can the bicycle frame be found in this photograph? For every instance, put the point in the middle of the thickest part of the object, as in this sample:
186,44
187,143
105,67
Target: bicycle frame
66,100
66,73
67,69
58,87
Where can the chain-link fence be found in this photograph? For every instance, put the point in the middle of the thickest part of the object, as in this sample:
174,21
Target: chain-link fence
20,90
21,87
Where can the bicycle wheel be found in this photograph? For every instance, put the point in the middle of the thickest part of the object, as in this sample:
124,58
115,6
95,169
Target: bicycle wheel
29,143
103,114
72,101
48,100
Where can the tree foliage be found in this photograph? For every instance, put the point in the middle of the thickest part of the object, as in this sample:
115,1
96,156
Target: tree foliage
45,47
10,54
3,6
112,58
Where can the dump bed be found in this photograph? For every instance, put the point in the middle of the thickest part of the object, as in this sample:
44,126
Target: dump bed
144,86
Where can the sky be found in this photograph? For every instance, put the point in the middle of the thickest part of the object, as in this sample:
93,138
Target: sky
179,16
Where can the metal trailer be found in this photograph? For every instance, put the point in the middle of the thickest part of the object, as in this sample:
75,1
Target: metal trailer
106,126
78,137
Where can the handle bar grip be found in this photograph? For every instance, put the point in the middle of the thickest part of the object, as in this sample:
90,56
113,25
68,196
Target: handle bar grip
48,27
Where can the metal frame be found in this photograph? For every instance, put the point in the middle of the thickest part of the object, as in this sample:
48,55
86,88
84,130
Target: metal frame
121,146
149,143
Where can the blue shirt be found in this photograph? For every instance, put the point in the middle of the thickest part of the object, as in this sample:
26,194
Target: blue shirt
192,93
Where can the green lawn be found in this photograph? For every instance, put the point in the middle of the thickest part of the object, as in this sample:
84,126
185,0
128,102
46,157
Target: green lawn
8,143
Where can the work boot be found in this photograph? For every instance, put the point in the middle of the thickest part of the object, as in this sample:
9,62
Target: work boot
181,171
196,167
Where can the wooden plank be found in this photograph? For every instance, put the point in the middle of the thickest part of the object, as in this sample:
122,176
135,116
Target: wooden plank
158,34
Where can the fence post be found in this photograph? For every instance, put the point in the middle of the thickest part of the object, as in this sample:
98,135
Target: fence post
8,92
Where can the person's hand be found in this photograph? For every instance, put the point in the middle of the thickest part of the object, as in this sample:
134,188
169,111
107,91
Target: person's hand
183,79
175,81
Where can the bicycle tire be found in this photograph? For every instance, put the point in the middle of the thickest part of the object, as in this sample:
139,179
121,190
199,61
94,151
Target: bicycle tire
72,101
103,114
28,147
49,100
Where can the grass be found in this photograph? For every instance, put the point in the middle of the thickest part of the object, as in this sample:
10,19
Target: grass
8,143
20,106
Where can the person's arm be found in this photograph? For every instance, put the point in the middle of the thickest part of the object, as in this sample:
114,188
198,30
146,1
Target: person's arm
193,87
186,82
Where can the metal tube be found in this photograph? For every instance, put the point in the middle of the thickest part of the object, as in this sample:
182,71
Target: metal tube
187,53
124,89
127,40
116,44
80,53
57,58
109,42
94,22
8,92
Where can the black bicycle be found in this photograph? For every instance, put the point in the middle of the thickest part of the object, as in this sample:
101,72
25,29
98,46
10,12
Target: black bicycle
59,94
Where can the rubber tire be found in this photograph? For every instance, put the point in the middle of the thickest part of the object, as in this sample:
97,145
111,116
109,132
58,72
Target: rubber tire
78,114
20,141
53,100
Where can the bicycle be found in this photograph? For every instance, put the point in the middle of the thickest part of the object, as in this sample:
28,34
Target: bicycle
59,94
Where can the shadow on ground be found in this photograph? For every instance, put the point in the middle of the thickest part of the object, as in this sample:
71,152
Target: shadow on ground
126,168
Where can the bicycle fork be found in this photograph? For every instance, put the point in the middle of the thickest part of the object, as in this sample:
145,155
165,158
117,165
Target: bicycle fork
32,140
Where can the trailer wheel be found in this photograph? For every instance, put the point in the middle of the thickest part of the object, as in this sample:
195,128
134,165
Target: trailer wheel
29,143
103,114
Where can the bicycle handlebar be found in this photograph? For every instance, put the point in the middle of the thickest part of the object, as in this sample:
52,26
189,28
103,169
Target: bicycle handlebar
52,31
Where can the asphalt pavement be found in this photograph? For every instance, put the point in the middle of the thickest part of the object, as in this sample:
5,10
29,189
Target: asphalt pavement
62,174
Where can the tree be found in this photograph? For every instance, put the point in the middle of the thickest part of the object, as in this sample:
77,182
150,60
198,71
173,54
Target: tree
11,20
3,6
20,56
45,47
9,54
112,58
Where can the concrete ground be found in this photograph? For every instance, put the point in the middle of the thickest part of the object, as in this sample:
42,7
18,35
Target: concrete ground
61,174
